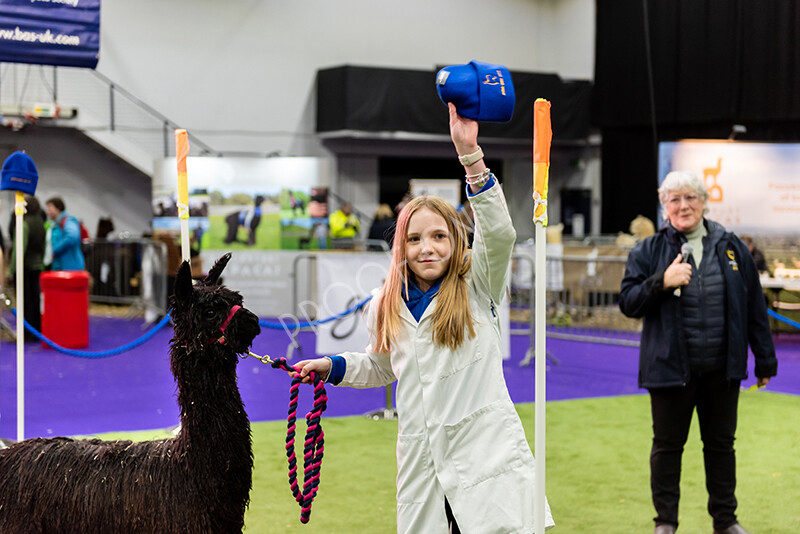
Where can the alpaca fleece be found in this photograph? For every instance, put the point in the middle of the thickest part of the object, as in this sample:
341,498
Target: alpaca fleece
197,482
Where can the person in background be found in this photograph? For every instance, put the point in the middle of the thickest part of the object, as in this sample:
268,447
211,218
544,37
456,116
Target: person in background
382,227
105,225
758,256
33,241
463,461
344,223
700,313
65,237
99,256
85,235
344,226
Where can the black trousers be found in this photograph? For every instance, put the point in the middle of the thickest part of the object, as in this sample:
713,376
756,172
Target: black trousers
716,399
451,521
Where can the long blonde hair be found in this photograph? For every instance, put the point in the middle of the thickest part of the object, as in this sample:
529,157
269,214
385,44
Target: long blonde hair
452,317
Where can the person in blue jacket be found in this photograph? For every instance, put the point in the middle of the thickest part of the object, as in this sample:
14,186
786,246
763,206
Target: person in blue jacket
65,237
699,313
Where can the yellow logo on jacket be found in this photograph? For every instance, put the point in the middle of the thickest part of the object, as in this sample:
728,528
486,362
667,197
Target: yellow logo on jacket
732,260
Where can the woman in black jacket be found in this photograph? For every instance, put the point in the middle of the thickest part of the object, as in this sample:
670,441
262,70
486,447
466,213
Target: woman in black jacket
697,289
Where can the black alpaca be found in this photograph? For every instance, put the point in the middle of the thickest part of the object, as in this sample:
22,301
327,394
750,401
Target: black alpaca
198,482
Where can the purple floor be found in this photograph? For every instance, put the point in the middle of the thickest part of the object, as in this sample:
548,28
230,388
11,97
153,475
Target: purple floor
69,395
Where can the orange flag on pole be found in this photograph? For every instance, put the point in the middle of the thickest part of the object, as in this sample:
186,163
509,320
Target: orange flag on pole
181,151
542,137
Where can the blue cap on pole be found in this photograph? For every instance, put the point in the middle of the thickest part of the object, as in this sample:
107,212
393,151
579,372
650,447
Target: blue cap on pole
19,174
480,91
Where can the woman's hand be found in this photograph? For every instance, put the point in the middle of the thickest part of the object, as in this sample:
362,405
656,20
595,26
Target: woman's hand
321,366
678,273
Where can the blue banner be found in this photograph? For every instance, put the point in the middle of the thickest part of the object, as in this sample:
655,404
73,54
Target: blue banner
50,32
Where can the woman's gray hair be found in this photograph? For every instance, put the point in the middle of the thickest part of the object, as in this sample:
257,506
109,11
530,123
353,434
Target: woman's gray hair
682,180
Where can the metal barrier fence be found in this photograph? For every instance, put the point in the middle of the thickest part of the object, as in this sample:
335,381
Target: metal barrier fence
582,298
132,272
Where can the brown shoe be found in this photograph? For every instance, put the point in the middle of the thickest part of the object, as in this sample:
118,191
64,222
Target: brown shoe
735,528
664,529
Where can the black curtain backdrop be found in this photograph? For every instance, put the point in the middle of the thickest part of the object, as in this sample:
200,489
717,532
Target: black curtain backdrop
372,99
714,63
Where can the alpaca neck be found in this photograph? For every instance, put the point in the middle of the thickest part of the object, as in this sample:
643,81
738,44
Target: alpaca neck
211,405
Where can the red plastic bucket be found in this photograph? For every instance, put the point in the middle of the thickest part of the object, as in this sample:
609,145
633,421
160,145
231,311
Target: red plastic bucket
65,307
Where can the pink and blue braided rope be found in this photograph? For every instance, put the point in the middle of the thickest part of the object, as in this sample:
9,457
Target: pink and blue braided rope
314,445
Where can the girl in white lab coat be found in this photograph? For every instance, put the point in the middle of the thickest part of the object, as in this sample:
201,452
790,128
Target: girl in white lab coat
463,462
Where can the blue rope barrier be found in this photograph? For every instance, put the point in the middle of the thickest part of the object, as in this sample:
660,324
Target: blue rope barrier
98,354
783,319
306,324
135,343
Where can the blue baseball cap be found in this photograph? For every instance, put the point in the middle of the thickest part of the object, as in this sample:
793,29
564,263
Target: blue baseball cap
19,174
480,91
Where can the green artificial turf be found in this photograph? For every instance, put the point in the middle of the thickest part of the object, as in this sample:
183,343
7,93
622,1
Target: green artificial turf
597,470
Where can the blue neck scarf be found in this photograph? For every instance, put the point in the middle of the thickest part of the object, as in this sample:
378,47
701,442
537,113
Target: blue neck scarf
418,301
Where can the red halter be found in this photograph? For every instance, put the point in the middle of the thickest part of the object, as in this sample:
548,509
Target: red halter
225,324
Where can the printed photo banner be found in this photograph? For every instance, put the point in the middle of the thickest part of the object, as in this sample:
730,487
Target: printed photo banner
753,187
246,203
50,32
344,280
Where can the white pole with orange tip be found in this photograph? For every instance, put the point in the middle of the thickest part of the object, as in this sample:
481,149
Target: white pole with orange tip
19,211
19,174
181,152
542,137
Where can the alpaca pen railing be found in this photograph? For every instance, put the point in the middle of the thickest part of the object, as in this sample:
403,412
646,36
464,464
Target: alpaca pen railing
582,296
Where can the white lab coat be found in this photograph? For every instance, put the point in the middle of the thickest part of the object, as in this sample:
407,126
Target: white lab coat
459,434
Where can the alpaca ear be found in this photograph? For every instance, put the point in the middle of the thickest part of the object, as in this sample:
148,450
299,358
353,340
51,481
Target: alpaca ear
216,270
183,283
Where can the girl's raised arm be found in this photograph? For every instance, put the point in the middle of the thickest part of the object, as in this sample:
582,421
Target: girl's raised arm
464,133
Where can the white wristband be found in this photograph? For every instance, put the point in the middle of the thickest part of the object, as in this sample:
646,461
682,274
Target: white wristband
479,179
469,159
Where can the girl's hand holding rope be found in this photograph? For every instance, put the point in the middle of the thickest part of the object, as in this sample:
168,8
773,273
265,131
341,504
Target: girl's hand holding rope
320,366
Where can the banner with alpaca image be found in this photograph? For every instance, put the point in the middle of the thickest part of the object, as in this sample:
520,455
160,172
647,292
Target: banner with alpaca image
752,187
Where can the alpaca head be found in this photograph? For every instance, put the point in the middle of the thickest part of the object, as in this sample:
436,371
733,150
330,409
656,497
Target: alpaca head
203,312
